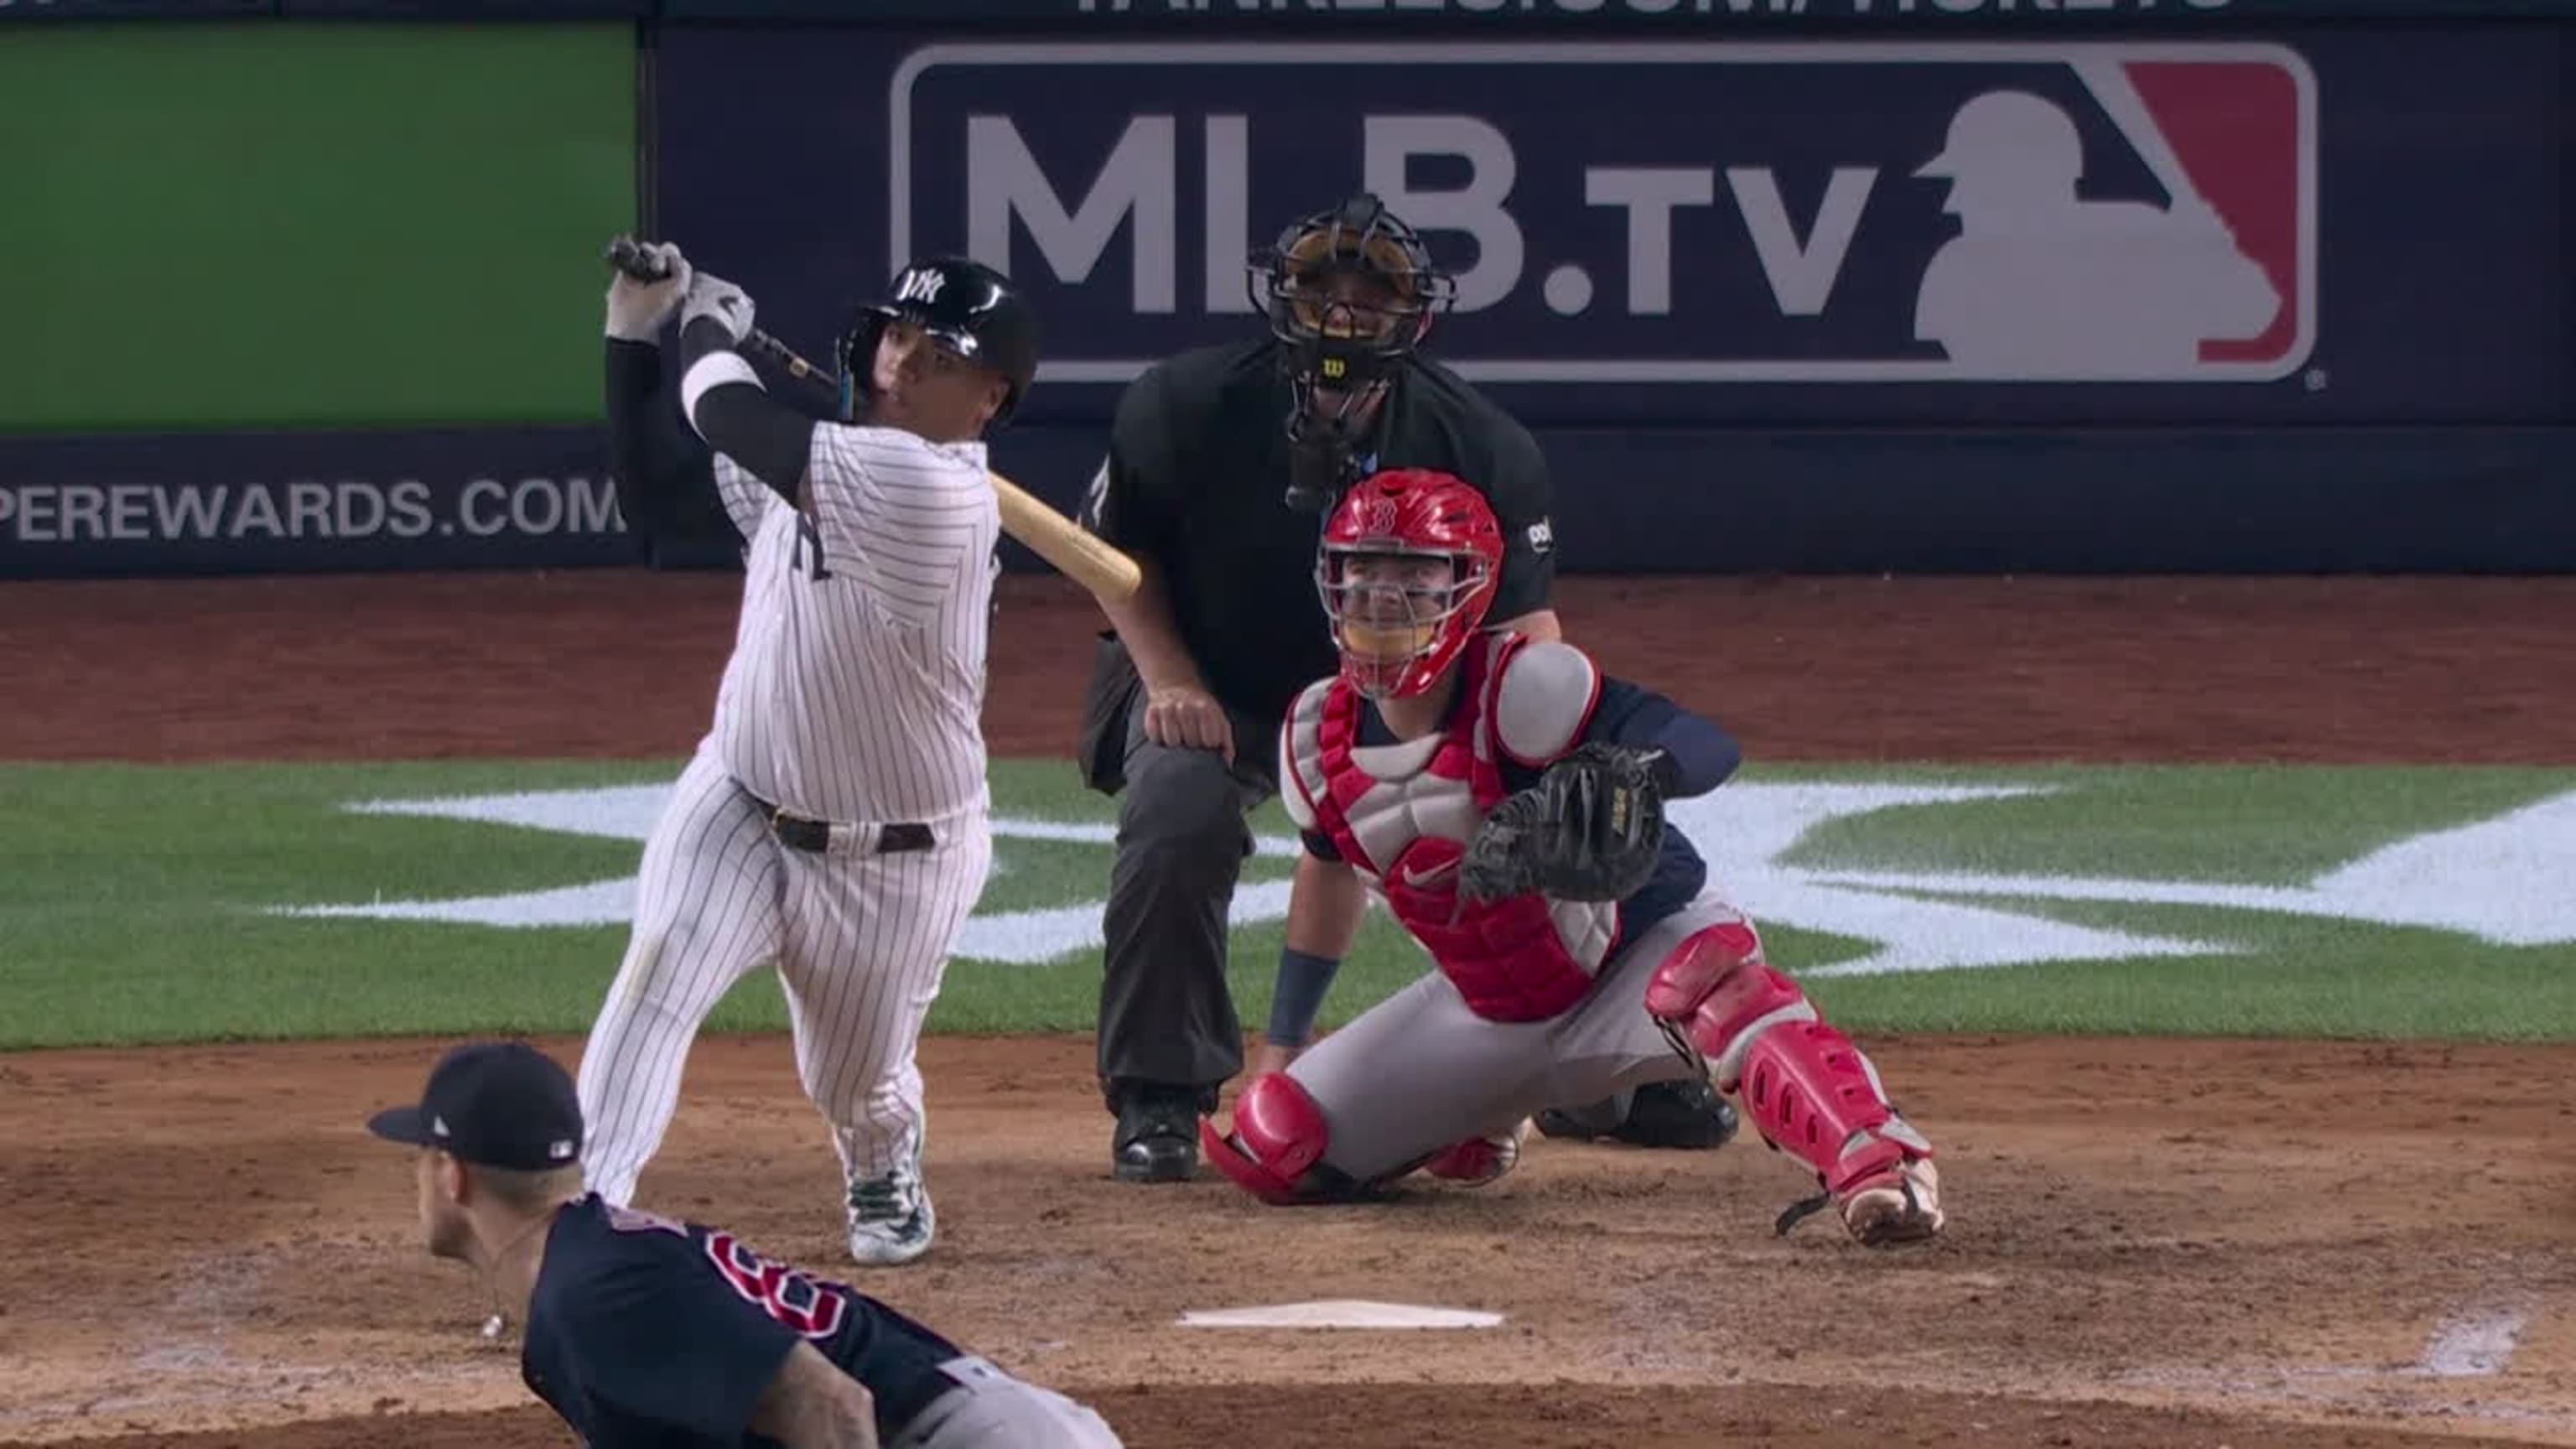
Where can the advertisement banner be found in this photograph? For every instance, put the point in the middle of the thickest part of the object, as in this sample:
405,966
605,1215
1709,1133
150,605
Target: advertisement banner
1704,15
1936,232
308,503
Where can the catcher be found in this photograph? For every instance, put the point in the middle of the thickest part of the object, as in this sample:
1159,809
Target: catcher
1505,801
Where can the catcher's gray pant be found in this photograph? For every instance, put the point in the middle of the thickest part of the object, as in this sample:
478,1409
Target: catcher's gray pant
989,1409
1420,1071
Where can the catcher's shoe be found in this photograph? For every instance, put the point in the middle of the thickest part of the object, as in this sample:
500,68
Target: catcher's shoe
1890,1193
1902,1206
1479,1160
1686,1116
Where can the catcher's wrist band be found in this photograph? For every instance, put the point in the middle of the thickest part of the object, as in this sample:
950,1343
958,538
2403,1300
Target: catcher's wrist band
1299,993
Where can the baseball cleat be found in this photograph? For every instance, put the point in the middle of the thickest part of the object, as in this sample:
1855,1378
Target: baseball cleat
891,1220
1479,1160
1684,1115
1157,1138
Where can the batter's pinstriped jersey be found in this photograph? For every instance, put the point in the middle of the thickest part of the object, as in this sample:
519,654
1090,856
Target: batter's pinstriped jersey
856,688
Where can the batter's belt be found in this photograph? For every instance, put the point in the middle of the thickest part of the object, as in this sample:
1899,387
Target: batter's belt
823,837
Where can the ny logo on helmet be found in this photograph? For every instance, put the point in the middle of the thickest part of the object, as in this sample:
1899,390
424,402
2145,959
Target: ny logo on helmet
921,284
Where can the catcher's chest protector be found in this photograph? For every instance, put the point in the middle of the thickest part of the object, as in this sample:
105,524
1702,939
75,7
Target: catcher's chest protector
1402,814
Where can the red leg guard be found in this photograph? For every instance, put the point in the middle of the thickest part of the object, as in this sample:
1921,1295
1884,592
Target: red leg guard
1279,1135
1705,989
1807,1089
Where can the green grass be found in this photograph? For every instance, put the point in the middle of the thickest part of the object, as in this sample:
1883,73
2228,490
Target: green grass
136,905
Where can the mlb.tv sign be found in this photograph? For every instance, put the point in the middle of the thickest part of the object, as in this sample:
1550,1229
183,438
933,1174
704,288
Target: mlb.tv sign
1652,213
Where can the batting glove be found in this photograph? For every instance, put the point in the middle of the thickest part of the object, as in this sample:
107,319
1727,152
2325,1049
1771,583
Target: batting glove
720,301
637,310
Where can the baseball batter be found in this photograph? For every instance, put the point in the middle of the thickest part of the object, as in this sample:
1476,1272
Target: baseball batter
1505,801
833,821
641,1329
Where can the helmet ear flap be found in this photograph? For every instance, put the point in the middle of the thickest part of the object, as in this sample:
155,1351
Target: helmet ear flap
859,357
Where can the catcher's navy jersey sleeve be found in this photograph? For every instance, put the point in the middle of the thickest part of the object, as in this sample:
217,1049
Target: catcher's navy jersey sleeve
1703,755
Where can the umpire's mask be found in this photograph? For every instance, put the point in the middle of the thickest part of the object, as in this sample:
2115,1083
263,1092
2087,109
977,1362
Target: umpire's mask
1351,292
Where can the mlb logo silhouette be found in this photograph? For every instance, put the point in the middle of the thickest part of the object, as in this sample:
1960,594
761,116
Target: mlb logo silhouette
2043,284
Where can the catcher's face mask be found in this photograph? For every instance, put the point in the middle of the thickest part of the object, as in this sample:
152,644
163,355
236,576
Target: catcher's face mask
1398,615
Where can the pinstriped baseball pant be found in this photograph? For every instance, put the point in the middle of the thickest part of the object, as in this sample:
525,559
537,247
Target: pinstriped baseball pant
860,943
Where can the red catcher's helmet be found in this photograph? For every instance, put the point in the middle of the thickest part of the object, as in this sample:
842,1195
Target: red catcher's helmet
1408,567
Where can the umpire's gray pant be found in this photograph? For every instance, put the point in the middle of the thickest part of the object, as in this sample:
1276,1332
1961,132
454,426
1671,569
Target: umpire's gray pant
1166,1013
989,1409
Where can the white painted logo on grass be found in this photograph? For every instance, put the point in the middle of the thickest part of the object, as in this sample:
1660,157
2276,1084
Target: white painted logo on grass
2499,880
1340,1313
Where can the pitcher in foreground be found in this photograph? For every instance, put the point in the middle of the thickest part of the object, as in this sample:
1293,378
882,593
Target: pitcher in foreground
1505,801
646,1330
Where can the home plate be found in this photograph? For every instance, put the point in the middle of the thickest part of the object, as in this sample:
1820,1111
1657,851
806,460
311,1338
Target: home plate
1341,1313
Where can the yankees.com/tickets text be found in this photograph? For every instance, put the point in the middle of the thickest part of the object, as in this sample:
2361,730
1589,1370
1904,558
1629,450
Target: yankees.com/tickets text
150,512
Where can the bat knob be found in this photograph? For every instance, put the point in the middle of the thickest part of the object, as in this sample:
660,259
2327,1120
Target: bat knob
628,255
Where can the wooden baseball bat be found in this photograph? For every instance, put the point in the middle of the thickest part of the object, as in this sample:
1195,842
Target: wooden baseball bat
1080,555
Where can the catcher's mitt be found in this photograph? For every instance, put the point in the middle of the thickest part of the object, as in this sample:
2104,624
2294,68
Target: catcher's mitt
1589,830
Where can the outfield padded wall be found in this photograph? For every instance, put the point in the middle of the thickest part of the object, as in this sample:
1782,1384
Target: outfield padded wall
259,224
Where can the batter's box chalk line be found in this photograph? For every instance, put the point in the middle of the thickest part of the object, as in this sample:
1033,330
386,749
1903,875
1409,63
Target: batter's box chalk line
1340,1313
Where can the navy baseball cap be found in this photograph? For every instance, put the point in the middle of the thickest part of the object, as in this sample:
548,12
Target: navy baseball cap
498,1103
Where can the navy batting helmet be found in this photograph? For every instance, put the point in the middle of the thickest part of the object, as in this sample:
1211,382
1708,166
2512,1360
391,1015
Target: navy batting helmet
965,306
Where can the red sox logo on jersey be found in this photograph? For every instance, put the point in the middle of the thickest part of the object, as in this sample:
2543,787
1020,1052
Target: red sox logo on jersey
811,1306
802,1302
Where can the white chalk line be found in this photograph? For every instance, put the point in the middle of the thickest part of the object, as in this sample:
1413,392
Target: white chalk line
2473,1344
2469,1343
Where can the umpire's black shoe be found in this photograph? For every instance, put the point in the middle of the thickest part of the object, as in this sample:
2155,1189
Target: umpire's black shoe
1689,1116
1158,1135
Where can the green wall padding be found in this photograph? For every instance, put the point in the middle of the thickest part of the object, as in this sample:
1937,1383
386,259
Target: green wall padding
266,224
